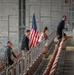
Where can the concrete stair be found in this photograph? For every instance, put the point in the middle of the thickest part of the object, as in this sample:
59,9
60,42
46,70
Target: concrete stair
46,58
67,68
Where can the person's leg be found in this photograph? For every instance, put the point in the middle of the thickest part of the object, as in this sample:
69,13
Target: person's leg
59,39
65,37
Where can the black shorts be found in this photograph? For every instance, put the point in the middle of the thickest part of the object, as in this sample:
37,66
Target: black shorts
60,35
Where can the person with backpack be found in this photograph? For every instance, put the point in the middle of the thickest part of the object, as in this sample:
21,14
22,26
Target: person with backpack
9,53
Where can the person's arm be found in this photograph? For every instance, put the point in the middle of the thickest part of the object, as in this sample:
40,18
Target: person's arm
63,25
43,35
13,54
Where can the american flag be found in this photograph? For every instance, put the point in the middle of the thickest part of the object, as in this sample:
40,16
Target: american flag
34,33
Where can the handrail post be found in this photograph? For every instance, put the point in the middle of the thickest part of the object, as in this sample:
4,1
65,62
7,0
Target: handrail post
12,71
17,68
21,64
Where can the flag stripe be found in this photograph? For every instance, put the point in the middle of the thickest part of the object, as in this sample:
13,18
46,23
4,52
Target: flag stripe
33,38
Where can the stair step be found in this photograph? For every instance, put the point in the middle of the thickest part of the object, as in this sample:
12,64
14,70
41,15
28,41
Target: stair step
41,68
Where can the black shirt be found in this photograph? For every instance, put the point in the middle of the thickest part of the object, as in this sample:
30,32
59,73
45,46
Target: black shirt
60,26
25,43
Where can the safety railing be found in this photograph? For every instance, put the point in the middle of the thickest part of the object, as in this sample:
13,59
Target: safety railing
51,68
26,61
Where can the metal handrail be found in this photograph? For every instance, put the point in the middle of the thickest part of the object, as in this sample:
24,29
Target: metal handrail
26,61
53,69
50,70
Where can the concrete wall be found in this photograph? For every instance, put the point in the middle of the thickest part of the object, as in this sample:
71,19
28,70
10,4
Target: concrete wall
9,22
48,13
